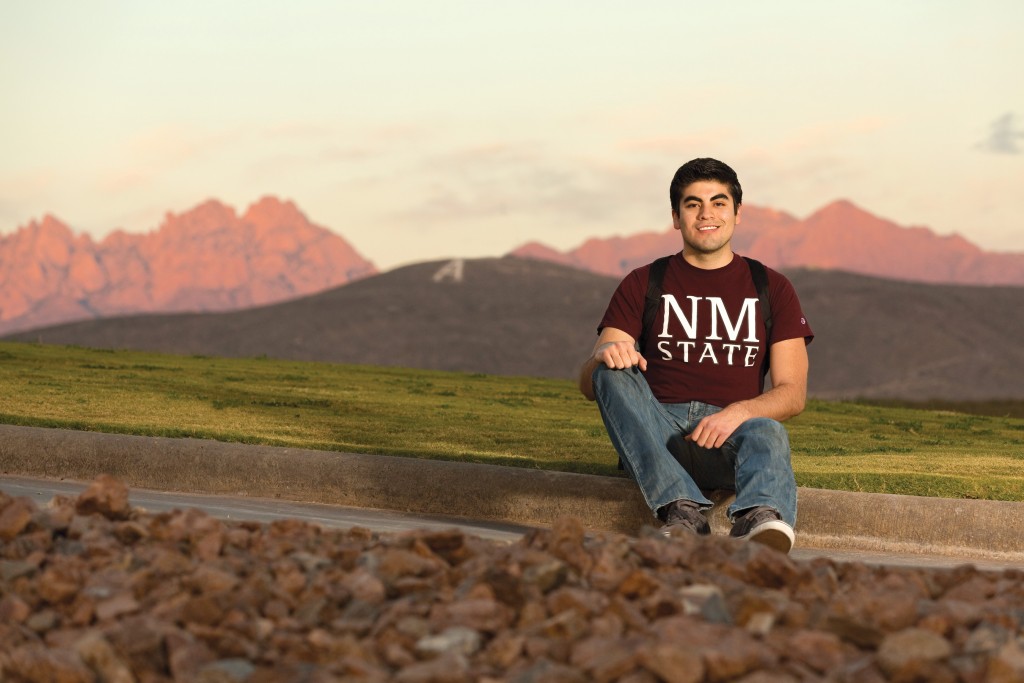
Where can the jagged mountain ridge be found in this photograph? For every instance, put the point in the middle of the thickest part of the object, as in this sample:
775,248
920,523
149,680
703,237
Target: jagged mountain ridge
210,259
206,259
875,338
840,236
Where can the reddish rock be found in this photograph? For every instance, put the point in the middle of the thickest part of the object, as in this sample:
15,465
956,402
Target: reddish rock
906,654
106,496
672,662
98,654
289,601
35,663
15,516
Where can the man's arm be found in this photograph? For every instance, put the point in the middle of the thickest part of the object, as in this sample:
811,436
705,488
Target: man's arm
785,399
614,348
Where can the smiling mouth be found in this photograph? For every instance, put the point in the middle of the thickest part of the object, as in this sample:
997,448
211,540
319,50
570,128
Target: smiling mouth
707,227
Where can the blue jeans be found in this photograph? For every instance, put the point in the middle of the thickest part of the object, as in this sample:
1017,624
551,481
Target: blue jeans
753,461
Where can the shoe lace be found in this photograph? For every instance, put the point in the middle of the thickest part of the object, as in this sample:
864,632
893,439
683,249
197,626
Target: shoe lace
681,512
756,516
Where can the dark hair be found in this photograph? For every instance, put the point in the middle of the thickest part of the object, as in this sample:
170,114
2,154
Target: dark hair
704,169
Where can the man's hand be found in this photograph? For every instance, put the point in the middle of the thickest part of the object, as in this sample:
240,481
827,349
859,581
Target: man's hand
619,355
614,348
713,430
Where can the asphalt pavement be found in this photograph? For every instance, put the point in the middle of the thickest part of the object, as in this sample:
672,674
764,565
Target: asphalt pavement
385,521
389,493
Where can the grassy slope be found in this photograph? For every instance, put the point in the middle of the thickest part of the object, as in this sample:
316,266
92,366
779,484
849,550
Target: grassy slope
481,418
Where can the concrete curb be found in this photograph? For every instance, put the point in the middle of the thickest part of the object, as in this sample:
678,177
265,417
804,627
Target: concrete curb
979,529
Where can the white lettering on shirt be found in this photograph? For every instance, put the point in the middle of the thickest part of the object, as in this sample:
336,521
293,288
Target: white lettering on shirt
720,321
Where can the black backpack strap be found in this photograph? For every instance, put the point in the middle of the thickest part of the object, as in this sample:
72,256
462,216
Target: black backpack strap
653,299
760,277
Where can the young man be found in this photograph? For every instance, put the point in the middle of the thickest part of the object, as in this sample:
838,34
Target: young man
687,412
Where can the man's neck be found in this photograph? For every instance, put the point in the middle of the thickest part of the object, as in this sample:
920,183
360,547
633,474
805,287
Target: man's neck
718,259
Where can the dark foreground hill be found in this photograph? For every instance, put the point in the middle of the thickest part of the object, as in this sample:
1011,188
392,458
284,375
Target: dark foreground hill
875,338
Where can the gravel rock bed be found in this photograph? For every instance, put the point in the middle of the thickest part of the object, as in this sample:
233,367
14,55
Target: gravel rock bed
92,590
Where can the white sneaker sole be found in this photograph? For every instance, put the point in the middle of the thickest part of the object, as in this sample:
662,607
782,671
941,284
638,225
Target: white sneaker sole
774,534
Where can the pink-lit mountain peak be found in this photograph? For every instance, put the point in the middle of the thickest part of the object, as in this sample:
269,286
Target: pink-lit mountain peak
270,212
840,236
204,259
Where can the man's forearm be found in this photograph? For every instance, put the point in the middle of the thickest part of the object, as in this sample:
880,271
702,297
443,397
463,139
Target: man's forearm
586,379
778,403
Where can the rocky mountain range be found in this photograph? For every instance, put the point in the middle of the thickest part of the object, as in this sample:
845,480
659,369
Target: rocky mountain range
840,236
875,338
212,259
206,259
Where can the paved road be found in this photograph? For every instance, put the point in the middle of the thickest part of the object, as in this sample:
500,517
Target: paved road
267,510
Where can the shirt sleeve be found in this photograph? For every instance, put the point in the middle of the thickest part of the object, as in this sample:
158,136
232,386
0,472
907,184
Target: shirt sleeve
788,319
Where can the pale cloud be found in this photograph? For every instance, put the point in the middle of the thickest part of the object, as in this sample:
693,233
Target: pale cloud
305,148
1004,136
502,179
675,146
828,135
144,157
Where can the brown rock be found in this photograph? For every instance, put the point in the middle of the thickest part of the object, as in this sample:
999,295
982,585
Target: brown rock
605,659
95,651
397,563
365,587
484,615
451,668
61,581
292,602
211,580
13,609
234,670
139,639
15,516
185,655
1007,665
904,654
823,652
35,663
566,543
505,649
638,584
453,640
117,606
106,496
546,671
672,662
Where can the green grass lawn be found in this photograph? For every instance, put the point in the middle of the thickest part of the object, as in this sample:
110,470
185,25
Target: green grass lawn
518,421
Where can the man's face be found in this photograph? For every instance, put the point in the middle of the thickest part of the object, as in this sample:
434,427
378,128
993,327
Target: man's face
706,217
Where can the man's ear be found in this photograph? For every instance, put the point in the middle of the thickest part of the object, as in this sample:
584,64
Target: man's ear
738,209
675,220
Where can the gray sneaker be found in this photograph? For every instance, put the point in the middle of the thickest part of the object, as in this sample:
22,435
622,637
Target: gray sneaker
764,525
683,514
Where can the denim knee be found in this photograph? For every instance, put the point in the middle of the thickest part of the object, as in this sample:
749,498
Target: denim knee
605,377
765,429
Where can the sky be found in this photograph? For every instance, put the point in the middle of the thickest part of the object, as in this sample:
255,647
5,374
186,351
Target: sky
464,128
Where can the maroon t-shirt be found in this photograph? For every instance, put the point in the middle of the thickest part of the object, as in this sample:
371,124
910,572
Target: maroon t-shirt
707,341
